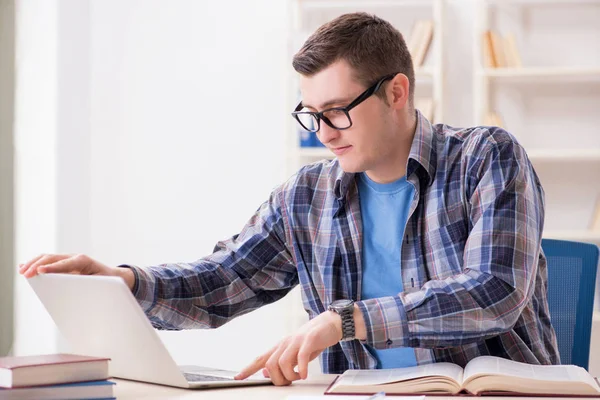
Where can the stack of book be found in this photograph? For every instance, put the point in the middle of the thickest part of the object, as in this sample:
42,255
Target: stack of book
55,376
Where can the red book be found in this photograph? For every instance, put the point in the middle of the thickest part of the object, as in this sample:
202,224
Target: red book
51,369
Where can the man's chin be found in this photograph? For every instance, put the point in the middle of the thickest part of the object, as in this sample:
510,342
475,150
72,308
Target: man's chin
350,167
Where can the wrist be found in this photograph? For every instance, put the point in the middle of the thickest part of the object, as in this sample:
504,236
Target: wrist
360,328
127,275
337,323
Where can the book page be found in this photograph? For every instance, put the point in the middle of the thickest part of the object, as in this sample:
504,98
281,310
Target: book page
349,397
487,365
363,377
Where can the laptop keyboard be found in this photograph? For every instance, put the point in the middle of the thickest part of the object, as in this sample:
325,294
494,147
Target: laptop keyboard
204,378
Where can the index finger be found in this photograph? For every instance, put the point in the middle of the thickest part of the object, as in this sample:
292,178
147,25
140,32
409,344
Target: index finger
60,267
31,269
258,364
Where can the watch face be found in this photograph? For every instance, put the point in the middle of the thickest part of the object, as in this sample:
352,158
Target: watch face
341,303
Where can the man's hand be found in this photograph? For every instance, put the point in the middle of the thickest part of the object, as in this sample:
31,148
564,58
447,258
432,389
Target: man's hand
73,264
298,350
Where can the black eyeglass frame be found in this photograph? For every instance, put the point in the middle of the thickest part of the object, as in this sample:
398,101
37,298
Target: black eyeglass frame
346,110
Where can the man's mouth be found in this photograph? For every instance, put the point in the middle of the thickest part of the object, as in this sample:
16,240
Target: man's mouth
340,150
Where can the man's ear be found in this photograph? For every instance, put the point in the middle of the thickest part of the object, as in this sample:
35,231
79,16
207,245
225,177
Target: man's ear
397,91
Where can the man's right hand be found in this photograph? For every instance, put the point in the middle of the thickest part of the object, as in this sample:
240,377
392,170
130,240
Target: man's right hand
73,264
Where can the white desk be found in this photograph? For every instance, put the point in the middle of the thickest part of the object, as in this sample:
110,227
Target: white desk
314,385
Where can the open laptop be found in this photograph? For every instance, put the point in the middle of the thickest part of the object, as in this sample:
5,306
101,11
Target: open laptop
99,316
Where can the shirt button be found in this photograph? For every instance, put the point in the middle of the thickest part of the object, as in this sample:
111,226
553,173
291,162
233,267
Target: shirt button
389,342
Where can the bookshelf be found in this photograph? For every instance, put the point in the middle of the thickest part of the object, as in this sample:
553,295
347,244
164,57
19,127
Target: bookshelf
544,103
307,15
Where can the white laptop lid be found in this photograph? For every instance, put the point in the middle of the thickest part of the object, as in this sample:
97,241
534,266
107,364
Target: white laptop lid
99,316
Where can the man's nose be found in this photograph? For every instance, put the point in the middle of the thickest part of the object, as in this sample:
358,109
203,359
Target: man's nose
326,133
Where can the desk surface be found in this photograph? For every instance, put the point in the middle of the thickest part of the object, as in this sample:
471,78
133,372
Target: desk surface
314,385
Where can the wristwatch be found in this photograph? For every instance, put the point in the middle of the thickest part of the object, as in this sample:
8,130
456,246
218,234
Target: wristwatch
345,308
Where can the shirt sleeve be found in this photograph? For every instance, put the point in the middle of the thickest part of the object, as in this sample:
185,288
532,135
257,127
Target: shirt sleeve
245,272
500,261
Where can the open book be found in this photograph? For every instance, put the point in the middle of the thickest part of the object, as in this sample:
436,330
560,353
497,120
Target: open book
481,376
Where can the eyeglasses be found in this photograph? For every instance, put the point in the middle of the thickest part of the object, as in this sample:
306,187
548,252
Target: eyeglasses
336,117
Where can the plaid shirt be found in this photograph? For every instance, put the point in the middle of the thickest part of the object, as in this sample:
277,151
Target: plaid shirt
474,274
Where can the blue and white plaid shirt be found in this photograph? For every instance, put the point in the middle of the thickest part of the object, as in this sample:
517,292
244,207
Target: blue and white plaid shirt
474,274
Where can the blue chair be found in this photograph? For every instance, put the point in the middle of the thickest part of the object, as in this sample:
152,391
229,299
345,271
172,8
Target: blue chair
572,270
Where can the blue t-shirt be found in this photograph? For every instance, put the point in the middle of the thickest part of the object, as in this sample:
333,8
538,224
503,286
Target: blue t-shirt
384,209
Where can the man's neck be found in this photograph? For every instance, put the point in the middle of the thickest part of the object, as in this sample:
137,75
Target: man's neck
395,167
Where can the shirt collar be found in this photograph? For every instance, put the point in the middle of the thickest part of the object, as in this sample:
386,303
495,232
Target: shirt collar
422,153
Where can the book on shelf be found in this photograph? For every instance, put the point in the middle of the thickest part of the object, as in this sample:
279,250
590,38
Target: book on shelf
498,49
485,375
513,58
493,119
51,369
499,52
67,391
489,60
420,41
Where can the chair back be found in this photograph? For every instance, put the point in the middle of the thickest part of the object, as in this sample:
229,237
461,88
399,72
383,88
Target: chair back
572,270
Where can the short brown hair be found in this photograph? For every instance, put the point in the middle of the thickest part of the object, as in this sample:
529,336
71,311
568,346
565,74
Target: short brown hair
370,45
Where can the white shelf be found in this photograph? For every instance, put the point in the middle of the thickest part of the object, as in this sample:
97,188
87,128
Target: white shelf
564,155
541,2
540,72
574,235
361,4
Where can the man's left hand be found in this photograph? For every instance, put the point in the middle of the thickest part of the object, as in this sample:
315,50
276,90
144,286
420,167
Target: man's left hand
297,350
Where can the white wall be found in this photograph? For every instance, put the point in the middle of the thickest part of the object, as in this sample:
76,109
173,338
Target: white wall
157,132
186,141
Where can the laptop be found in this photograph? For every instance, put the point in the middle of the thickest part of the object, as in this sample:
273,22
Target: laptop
99,316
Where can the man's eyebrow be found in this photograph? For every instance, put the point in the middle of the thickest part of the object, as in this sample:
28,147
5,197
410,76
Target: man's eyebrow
344,100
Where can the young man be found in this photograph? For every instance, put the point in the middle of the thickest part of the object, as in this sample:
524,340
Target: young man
419,243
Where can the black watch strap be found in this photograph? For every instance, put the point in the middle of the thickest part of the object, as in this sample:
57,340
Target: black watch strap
347,324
